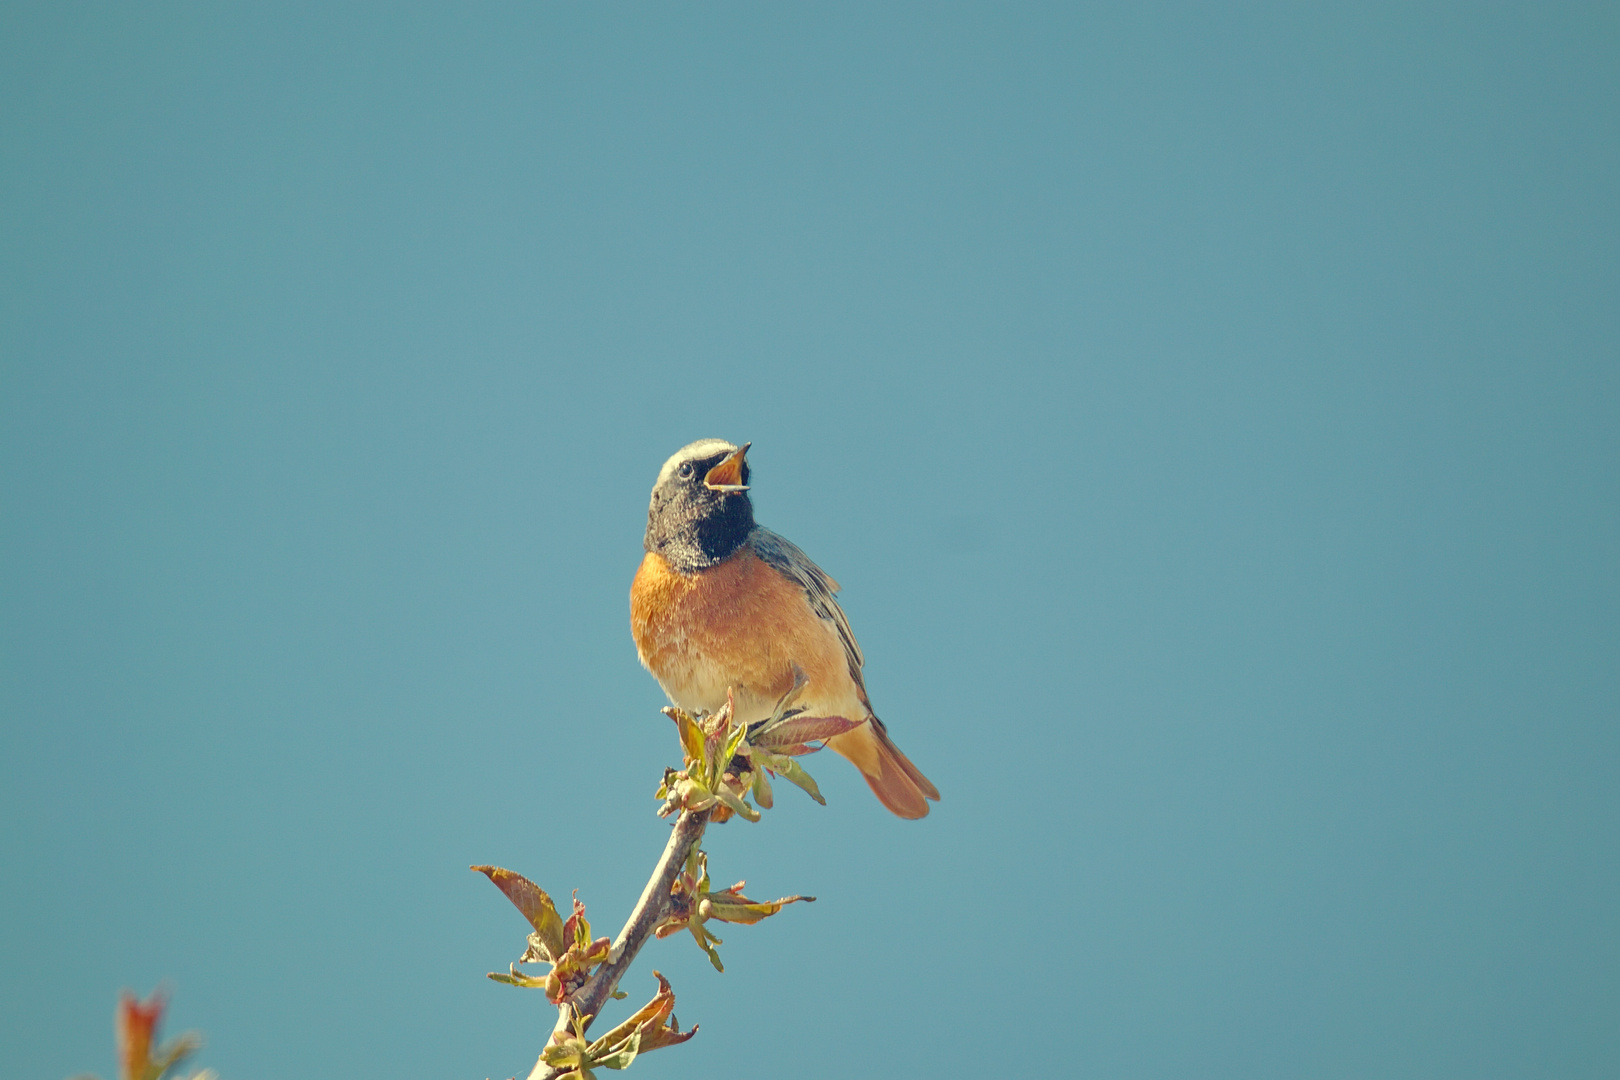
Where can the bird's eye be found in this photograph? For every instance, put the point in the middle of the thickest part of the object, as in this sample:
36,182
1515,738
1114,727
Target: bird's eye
686,469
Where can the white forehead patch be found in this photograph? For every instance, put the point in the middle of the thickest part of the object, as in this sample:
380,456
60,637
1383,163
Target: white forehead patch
693,452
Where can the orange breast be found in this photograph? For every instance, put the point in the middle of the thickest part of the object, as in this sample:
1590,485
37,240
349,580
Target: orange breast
739,624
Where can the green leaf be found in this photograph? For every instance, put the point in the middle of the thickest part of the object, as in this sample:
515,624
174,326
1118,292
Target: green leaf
793,773
695,795
518,978
733,907
703,940
691,734
737,805
621,1055
565,1052
762,789
734,740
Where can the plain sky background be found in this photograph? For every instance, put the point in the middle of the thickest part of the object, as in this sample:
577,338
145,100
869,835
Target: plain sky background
1209,411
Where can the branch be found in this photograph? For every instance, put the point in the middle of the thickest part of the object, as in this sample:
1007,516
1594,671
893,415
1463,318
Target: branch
644,917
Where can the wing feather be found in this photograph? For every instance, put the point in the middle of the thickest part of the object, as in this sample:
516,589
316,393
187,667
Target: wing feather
786,557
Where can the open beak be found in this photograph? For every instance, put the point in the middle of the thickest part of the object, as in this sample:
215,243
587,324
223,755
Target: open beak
726,477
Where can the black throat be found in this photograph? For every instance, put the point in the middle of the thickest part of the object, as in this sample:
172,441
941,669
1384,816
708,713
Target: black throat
695,533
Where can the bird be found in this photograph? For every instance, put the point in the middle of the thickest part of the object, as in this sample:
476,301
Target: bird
722,605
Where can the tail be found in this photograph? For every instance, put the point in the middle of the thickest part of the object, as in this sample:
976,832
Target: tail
896,782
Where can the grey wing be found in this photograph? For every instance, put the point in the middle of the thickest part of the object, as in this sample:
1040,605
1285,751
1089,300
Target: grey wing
785,556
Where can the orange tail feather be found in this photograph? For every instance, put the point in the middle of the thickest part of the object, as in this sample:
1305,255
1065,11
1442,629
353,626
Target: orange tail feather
898,784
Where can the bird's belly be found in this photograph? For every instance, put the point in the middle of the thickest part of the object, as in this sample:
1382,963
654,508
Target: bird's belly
697,683
739,625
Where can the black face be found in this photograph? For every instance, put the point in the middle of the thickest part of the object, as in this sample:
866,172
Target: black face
692,521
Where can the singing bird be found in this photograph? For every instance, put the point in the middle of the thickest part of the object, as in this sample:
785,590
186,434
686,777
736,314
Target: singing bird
722,603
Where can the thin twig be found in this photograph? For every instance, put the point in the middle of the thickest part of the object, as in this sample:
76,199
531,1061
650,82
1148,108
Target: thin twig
644,917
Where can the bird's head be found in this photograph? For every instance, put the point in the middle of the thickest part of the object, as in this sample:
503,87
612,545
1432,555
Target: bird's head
700,511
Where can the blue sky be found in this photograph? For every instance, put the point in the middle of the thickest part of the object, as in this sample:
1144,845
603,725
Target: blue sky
1210,412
